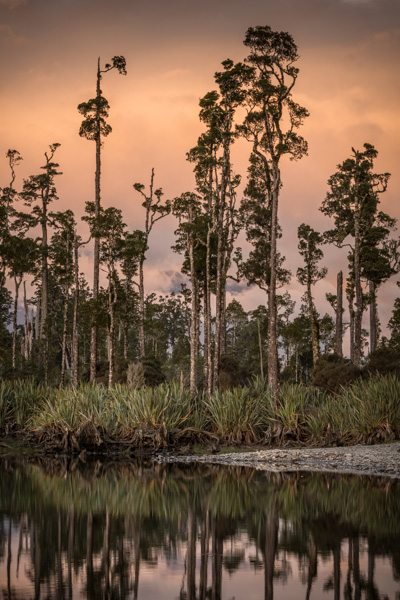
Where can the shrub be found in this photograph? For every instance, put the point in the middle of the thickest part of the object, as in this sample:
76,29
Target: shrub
333,372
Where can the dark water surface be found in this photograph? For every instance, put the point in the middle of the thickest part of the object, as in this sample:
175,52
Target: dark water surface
152,531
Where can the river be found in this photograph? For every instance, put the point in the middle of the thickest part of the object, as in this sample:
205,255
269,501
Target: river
149,531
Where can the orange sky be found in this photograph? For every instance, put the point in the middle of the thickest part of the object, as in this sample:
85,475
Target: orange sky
348,80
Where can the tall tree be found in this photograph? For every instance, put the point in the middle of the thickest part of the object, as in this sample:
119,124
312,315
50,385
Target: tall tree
107,225
62,254
353,202
155,209
38,193
20,255
309,275
187,208
94,127
271,124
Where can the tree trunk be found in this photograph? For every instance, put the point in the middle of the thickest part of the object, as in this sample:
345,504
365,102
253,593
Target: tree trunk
64,336
223,317
359,300
273,365
17,282
142,346
194,318
206,339
218,293
373,317
210,373
26,325
96,251
75,337
112,300
313,325
260,349
339,314
37,320
352,321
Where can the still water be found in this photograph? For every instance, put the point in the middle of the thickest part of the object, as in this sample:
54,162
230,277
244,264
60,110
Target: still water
148,531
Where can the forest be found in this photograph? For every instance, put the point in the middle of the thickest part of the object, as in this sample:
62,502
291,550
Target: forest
123,360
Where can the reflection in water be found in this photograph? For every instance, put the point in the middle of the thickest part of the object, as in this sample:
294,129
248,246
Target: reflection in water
146,531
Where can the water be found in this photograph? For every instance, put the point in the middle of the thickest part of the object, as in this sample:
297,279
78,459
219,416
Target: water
149,531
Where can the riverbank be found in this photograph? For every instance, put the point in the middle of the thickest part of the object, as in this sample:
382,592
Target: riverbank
379,459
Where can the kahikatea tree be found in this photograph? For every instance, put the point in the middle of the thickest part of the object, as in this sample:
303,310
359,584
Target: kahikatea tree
353,202
95,127
155,209
187,209
271,124
107,225
309,248
38,193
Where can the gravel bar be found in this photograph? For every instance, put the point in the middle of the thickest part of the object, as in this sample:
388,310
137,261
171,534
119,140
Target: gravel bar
363,460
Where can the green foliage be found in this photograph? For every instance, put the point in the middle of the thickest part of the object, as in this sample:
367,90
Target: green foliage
238,415
367,411
333,372
384,361
373,407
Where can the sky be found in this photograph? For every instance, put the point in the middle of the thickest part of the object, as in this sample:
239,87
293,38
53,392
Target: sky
349,64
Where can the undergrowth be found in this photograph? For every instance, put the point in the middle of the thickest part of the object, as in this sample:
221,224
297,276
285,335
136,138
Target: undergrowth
367,411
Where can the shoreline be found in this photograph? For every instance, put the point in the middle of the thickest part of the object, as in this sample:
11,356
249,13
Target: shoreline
380,459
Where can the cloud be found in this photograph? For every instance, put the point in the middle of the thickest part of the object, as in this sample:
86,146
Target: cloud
13,3
8,36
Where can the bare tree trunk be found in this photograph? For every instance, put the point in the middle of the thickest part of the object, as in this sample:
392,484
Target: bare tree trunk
359,300
17,282
26,325
260,349
31,330
126,330
194,333
37,320
96,251
206,333
218,292
339,314
373,317
75,338
223,318
352,328
64,336
208,292
112,300
142,346
313,326
273,365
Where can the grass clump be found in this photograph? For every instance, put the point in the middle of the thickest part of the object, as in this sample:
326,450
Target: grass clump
165,415
239,415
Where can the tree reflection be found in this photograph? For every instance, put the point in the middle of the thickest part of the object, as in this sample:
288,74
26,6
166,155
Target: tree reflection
103,531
